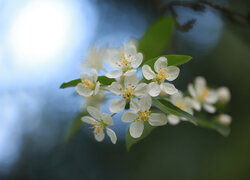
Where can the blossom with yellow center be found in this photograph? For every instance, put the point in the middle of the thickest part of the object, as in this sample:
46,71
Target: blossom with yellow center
89,85
202,95
100,122
125,59
163,72
138,117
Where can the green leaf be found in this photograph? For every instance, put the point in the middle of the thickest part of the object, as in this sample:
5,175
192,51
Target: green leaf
168,108
74,127
102,79
157,38
72,83
214,125
130,141
173,60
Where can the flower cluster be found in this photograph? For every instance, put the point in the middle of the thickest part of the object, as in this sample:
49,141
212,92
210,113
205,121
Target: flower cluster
134,94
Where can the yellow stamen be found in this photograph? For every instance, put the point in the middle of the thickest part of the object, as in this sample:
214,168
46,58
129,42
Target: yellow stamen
161,76
88,84
143,115
180,105
98,126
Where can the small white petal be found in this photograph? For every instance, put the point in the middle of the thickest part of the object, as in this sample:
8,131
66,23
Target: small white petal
134,105
137,60
168,88
130,49
196,105
100,136
157,119
107,119
114,74
224,94
86,92
161,63
172,72
145,103
200,84
173,120
130,72
115,88
136,129
191,90
141,90
112,135
225,119
117,105
97,87
154,89
209,108
114,56
147,72
176,97
131,80
212,98
94,75
88,120
129,117
84,76
94,112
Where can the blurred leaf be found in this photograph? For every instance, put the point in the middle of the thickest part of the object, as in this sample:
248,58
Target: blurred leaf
130,141
173,60
102,79
211,124
169,108
72,83
157,38
75,127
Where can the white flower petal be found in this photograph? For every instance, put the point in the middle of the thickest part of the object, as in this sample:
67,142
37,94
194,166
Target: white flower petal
88,120
114,56
200,84
191,90
94,112
117,105
212,98
154,89
224,94
115,88
176,97
131,80
130,72
168,88
114,74
145,103
112,135
172,73
134,105
141,90
100,136
196,105
209,108
86,92
147,72
225,119
97,87
84,76
136,129
173,120
161,63
129,117
130,49
94,75
157,119
137,60
107,119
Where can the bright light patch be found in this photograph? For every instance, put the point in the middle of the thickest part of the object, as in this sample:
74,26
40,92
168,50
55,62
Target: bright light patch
40,32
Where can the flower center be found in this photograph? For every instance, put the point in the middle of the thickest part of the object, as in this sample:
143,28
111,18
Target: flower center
88,84
180,105
98,126
143,115
124,62
203,95
161,76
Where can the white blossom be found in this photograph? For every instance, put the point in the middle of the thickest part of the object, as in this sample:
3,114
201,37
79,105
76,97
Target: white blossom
125,59
224,119
202,95
184,103
163,72
89,85
141,115
130,90
100,122
224,94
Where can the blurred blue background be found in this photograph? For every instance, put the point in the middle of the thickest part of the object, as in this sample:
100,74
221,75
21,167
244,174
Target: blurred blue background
43,43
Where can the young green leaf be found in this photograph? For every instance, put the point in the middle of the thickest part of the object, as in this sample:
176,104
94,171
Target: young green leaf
102,79
157,38
130,141
75,127
168,108
173,60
